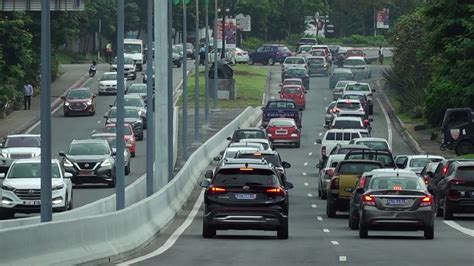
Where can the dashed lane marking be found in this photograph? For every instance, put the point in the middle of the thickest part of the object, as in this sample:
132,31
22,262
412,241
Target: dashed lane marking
342,258
461,229
320,134
304,173
335,243
320,218
310,153
310,195
326,230
98,122
314,206
305,164
306,183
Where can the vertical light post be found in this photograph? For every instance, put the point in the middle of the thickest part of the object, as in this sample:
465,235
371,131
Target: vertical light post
119,165
196,77
149,108
185,85
215,81
206,71
45,115
170,93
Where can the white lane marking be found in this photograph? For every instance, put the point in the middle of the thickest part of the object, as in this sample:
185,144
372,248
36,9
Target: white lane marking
314,206
310,153
305,164
304,173
306,183
173,237
389,123
326,230
98,122
461,229
335,243
319,218
315,143
342,258
310,195
320,134
324,98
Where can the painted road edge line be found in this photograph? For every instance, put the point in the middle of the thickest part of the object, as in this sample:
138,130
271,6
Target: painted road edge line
389,123
174,236
461,229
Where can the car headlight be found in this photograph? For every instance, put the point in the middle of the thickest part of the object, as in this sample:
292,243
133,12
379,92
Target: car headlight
58,187
67,163
6,155
7,187
67,103
101,85
107,162
89,102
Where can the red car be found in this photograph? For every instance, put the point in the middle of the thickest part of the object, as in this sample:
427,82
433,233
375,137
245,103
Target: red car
283,130
295,93
79,101
355,52
129,136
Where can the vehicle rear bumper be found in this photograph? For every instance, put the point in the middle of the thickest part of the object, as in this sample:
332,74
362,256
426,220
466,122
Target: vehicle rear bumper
341,203
463,205
101,176
245,218
397,220
292,140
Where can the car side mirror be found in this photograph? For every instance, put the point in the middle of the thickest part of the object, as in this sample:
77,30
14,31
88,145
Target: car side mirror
61,153
205,184
2,175
229,138
289,185
111,105
319,141
94,96
371,120
106,117
208,174
400,165
286,165
360,190
217,158
63,98
221,153
68,175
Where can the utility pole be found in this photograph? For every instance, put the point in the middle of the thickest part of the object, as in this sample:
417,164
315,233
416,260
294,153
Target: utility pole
185,85
215,57
45,115
170,93
223,30
150,153
161,87
206,72
196,77
120,169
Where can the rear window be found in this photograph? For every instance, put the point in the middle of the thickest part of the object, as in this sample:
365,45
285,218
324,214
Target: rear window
250,134
421,162
282,105
293,90
292,82
270,158
386,159
280,122
296,71
236,177
376,145
316,61
294,60
331,136
396,183
354,62
357,167
465,172
347,124
357,87
348,105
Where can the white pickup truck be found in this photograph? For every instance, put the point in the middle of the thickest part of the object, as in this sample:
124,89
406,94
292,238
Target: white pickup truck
339,136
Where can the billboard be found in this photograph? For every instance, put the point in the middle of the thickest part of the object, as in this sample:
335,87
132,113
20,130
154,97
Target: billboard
35,5
243,22
230,33
383,18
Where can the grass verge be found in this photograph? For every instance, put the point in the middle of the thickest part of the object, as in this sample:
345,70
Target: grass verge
72,58
250,84
467,156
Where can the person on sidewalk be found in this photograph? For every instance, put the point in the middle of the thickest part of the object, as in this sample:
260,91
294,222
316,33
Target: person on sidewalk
108,52
27,94
202,55
381,55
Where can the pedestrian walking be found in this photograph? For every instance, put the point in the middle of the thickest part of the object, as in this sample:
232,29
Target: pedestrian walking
202,54
381,55
27,94
108,52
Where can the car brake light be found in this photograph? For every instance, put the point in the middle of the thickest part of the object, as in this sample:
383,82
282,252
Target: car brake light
362,182
366,122
335,183
217,190
457,181
330,172
445,170
368,200
275,191
426,201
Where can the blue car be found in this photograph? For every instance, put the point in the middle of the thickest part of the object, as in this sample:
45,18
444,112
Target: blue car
269,54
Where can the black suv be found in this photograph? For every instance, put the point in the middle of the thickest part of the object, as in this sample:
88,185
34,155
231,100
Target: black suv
272,157
385,157
90,161
132,117
245,197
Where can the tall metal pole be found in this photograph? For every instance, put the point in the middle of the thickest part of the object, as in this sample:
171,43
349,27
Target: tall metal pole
45,115
170,93
196,77
223,30
161,99
215,57
185,85
150,153
206,72
120,168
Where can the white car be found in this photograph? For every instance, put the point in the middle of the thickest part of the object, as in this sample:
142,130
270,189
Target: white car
293,61
373,143
349,107
21,146
139,89
267,145
339,88
416,163
257,146
108,83
333,137
358,66
22,185
237,55
345,122
364,88
304,50
129,68
230,152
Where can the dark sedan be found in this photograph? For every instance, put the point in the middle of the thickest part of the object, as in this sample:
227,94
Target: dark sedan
79,101
298,72
340,74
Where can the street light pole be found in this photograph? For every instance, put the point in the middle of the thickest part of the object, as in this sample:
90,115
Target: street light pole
45,114
223,30
214,91
170,93
185,85
196,77
149,108
206,72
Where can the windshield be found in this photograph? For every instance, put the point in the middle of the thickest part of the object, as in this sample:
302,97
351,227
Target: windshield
279,105
357,87
134,102
384,158
137,89
396,183
294,60
354,97
129,113
354,62
79,94
305,48
237,178
347,124
343,75
292,90
348,105
132,48
270,158
126,60
13,142
31,170
421,162
128,130
296,71
316,61
88,149
280,122
292,82
109,76
357,167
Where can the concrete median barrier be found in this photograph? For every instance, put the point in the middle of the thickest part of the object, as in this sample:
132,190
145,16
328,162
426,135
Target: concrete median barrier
90,237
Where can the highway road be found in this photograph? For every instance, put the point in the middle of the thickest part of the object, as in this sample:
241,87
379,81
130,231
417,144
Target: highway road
314,238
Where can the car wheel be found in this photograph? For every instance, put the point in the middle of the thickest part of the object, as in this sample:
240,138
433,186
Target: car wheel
134,76
6,214
132,154
250,62
463,147
353,224
439,211
447,212
429,232
112,183
371,109
282,232
298,144
207,230
319,192
324,195
271,61
70,201
127,169
330,208
363,231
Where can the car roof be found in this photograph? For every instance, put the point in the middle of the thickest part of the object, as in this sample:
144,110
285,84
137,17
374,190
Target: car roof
80,89
260,161
342,70
104,135
34,160
293,79
348,118
291,86
273,44
255,140
248,129
111,72
370,139
283,119
132,96
249,165
348,100
345,130
290,57
360,161
353,146
395,171
465,163
137,84
421,156
316,56
241,148
114,125
356,57
24,135
267,152
79,141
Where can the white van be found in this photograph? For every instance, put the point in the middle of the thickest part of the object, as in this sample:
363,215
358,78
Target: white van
134,48
339,136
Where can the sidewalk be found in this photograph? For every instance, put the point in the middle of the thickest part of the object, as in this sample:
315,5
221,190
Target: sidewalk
20,120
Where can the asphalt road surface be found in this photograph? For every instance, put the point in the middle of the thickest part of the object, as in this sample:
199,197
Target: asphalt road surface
314,238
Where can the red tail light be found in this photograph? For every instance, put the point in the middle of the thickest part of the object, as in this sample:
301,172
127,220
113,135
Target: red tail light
216,190
445,169
335,183
457,181
276,191
366,122
397,188
330,171
362,182
426,201
368,200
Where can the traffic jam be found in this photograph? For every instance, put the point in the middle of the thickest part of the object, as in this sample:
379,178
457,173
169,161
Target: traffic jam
357,174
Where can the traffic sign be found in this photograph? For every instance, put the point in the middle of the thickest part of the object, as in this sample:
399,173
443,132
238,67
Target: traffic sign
55,5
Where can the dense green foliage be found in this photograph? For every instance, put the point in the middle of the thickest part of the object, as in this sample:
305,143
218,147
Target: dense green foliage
434,59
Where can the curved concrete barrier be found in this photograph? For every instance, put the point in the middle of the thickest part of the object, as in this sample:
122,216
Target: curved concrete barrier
93,237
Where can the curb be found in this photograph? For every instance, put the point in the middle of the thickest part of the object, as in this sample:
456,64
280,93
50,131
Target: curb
400,126
266,93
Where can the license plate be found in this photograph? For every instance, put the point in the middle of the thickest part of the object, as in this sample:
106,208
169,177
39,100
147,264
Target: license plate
396,201
85,173
32,202
472,193
245,196
281,132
